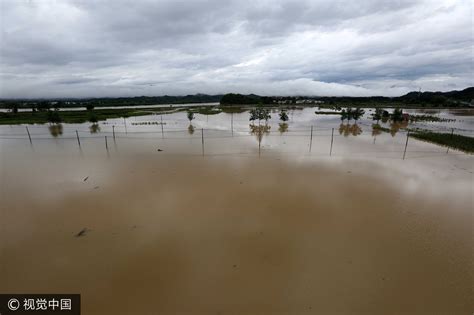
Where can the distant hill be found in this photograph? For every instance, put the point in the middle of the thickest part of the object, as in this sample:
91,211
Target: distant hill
466,95
446,99
111,101
423,99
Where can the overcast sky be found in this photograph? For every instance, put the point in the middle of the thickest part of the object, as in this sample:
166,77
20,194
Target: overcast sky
315,47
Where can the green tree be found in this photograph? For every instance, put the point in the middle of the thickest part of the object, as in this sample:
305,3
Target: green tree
190,116
259,113
94,128
93,118
357,113
378,114
397,115
283,116
54,117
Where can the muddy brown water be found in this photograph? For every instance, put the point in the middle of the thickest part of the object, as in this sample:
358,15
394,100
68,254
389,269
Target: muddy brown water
175,234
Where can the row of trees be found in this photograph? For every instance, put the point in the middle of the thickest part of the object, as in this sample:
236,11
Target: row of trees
352,113
381,114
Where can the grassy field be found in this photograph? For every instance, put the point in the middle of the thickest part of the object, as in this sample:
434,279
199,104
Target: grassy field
79,116
459,142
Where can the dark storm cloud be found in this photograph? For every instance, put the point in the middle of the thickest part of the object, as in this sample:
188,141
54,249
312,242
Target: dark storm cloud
115,48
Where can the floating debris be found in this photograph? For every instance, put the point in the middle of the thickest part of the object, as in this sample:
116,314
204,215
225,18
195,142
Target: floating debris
159,150
96,187
85,179
82,232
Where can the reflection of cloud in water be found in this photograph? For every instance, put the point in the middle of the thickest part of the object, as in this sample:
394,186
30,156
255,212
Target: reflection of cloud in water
245,238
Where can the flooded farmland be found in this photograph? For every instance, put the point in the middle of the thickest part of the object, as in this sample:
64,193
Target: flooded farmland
156,215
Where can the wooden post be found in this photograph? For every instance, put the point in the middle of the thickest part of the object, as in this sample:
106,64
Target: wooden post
106,144
332,140
78,141
29,136
162,133
202,140
113,132
311,139
406,144
452,132
232,123
125,123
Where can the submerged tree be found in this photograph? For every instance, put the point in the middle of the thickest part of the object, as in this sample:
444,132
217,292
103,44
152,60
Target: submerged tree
397,115
94,128
283,115
93,118
351,113
190,116
54,117
259,114
377,115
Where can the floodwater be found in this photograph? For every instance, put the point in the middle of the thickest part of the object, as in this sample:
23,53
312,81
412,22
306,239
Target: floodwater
170,228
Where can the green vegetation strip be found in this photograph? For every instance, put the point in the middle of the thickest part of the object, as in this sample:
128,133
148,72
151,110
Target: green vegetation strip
459,142
321,112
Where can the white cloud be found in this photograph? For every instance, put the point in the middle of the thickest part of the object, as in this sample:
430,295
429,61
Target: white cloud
114,48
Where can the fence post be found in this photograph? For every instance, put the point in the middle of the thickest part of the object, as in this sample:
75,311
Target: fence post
162,133
202,140
106,144
232,123
29,136
452,131
125,123
311,139
332,140
406,144
78,141
113,132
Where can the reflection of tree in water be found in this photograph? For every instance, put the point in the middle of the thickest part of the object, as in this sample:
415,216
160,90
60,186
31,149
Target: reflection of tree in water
191,129
376,130
395,126
349,129
282,127
94,128
259,131
56,130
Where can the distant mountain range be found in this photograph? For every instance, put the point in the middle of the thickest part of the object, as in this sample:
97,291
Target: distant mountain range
448,99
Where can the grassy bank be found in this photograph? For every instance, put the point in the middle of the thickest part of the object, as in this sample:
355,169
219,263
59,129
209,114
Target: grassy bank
459,142
79,116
